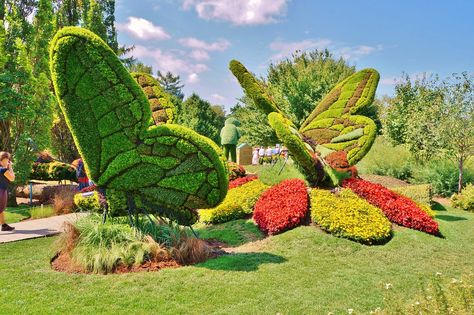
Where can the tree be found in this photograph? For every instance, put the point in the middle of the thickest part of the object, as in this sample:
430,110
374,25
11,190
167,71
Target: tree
25,106
413,116
95,21
69,13
198,115
171,84
43,25
458,120
300,82
253,124
140,67
108,8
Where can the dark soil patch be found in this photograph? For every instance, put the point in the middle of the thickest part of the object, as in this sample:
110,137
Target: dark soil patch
386,181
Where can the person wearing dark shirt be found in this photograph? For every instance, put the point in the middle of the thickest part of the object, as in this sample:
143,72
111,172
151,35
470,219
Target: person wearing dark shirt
6,177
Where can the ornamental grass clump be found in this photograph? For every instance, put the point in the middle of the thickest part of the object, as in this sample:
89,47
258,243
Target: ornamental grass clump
282,207
238,203
343,213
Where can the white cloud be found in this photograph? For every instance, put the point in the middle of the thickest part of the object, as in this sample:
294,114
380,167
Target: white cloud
143,29
193,78
286,49
169,61
199,55
218,97
415,76
239,12
195,43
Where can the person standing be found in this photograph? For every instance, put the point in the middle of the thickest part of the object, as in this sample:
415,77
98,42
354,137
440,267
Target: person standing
255,156
6,177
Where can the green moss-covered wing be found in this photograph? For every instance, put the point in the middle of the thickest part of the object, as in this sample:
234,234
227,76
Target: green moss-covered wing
163,110
170,168
302,153
334,125
253,88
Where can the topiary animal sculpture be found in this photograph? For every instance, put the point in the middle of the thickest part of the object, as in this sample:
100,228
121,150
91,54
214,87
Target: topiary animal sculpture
333,138
166,169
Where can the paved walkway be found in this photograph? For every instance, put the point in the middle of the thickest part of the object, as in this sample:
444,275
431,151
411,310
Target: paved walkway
38,228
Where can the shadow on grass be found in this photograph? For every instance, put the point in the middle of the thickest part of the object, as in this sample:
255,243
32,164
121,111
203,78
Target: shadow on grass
233,233
438,207
242,261
449,218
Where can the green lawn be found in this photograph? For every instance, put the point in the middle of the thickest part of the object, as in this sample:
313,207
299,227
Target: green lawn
17,214
300,271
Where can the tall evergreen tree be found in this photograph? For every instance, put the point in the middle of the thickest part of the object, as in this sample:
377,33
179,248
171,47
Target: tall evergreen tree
69,13
43,25
95,21
171,84
108,9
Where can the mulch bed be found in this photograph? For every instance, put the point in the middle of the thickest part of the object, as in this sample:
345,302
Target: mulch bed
63,262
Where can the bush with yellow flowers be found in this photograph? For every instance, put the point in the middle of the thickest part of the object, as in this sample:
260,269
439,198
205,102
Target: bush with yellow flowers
238,203
344,214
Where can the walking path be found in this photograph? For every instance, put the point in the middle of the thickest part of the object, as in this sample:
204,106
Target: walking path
38,228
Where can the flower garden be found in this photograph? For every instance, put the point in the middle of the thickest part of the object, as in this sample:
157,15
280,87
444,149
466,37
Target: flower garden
171,220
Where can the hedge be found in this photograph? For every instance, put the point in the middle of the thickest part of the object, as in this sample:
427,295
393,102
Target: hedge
398,209
282,207
344,214
465,199
88,201
53,171
238,203
419,193
169,168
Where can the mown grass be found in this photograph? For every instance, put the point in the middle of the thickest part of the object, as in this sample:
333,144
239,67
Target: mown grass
23,212
274,174
302,271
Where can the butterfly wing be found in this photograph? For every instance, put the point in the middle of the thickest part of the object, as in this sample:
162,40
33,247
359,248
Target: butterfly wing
163,110
334,125
109,116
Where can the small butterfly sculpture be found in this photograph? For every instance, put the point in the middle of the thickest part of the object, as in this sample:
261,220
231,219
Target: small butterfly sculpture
333,138
138,160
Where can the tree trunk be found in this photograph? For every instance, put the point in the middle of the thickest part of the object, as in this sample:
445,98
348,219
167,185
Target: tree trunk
12,196
461,160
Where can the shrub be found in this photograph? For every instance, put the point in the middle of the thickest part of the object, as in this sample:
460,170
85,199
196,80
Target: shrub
63,200
465,199
388,160
282,207
344,214
419,193
397,208
241,181
88,201
443,176
238,203
53,171
235,171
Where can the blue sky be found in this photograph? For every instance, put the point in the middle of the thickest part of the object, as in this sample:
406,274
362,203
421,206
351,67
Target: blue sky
197,38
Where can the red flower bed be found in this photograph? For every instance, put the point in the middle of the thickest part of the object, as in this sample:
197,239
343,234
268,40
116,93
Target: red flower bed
282,207
397,208
242,180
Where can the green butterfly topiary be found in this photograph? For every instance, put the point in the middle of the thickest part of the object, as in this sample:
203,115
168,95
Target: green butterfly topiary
333,138
166,169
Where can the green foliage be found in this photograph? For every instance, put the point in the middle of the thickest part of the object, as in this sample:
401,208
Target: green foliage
346,215
233,233
171,84
41,212
197,114
62,142
94,21
389,160
443,176
271,176
419,193
238,203
88,202
163,111
53,171
465,199
168,168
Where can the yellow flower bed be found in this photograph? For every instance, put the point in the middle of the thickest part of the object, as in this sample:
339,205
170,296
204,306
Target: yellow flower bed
238,203
426,208
346,215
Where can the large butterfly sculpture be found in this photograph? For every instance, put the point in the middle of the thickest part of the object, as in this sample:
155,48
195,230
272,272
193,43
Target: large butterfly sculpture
334,137
165,168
